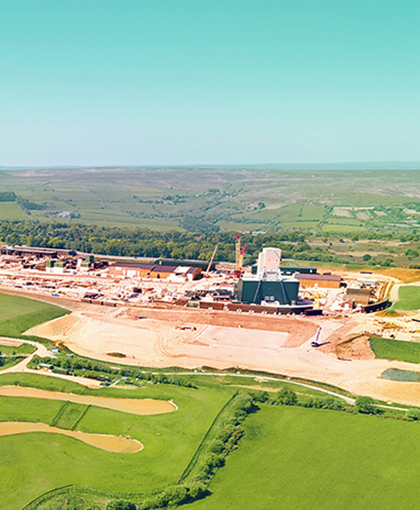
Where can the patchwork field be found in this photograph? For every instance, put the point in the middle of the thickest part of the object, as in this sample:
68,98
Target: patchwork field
34,463
144,433
226,199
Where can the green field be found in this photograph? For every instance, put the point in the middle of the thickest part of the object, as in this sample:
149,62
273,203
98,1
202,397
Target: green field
289,457
36,462
11,211
408,298
10,356
18,314
396,349
307,459
262,199
22,349
303,458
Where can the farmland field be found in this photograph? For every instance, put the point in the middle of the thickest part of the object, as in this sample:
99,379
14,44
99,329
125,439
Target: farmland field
320,204
309,459
148,197
11,211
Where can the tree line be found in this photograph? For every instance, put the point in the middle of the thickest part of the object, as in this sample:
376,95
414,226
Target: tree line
139,242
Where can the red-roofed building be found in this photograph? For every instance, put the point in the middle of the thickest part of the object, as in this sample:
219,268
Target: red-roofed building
138,270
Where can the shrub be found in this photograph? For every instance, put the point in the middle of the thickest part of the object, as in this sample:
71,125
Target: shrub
306,402
174,495
196,491
413,414
365,405
217,447
120,505
287,397
260,396
330,403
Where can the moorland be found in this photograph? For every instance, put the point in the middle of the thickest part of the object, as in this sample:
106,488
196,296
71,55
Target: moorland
359,217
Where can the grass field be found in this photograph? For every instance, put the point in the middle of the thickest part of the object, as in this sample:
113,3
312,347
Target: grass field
396,349
35,463
8,350
11,211
289,458
408,298
160,198
301,458
13,355
307,459
18,314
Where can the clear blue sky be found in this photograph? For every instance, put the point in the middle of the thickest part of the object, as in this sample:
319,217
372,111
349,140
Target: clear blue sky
104,82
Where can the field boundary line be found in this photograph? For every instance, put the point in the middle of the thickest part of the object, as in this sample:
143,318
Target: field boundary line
194,458
32,505
59,414
80,417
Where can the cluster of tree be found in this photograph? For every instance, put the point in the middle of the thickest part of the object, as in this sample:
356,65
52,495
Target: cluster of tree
138,242
288,397
172,496
230,433
27,205
102,371
363,405
7,196
146,243
412,253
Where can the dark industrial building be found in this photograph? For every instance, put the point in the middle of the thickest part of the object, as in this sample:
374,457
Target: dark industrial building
255,291
269,286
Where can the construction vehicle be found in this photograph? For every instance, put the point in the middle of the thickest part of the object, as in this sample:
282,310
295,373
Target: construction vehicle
314,342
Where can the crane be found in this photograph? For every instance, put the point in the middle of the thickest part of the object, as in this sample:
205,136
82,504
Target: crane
240,252
211,261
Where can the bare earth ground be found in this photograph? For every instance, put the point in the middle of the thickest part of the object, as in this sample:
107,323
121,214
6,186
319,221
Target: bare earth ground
218,342
356,349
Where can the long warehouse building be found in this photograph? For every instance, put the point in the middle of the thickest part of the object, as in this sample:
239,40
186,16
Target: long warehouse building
139,270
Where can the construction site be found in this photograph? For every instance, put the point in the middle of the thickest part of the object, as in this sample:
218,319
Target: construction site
268,287
269,317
